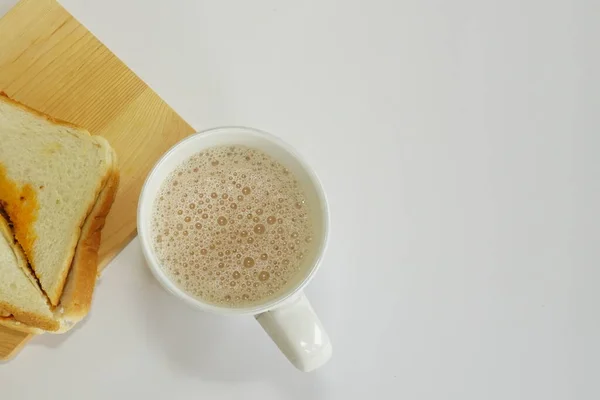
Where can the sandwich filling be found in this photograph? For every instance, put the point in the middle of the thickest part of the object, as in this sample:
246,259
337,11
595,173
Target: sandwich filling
21,206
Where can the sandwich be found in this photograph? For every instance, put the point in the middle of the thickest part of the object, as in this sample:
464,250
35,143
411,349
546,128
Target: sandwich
57,184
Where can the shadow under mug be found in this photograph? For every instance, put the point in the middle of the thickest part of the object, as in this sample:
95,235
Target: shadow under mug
288,318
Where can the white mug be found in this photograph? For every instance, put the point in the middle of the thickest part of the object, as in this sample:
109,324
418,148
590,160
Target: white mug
289,318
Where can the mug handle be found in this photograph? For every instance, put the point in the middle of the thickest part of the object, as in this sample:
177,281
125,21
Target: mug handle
298,332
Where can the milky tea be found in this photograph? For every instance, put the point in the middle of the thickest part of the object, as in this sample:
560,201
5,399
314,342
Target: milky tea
231,226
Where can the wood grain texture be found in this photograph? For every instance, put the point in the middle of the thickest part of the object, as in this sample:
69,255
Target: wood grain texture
50,62
11,342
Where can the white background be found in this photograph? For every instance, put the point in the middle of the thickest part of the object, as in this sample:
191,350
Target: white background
459,149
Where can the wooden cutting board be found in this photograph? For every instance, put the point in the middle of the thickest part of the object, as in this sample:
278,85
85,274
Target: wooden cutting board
50,62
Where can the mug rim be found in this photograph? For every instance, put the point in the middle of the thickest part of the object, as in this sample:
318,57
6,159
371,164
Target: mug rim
195,302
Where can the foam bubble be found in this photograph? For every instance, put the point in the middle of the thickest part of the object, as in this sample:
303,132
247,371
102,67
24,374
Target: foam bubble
219,242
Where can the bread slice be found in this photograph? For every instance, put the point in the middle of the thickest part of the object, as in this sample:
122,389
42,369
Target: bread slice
76,298
52,175
20,297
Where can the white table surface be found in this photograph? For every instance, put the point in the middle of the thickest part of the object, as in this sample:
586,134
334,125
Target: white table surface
459,148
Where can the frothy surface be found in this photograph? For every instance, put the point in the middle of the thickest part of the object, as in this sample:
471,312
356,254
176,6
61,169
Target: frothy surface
231,226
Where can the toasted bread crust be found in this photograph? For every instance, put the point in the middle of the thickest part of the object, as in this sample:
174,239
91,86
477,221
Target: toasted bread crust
12,323
78,291
30,319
